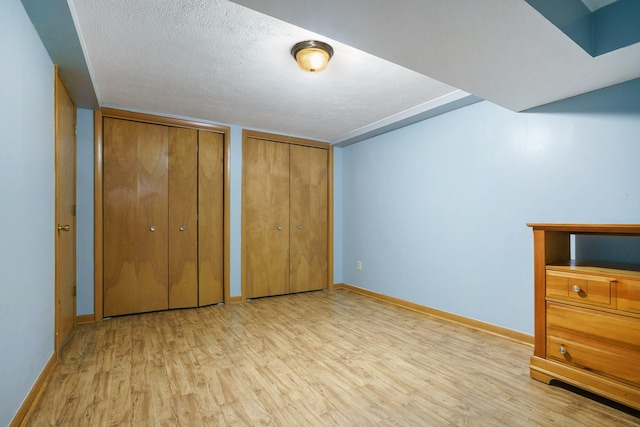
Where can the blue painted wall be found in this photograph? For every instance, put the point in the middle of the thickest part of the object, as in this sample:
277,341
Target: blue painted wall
337,216
26,208
84,212
235,222
436,211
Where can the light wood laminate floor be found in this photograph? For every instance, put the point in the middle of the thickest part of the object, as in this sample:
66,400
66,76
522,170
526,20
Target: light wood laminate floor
318,359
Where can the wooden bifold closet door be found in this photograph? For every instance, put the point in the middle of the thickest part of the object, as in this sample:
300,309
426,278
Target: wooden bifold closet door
308,211
163,244
285,218
135,217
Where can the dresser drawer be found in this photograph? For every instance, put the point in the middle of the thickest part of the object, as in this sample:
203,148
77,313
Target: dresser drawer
600,342
629,295
592,290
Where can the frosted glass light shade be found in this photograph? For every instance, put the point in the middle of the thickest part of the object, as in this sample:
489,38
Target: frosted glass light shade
312,56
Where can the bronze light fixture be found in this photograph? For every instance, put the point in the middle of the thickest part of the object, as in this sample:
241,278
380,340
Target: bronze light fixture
311,55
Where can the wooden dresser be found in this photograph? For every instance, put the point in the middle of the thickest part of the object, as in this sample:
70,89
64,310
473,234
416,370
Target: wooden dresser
587,315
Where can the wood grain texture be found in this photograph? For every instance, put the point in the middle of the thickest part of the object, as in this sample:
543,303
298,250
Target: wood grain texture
548,370
320,358
99,115
210,218
579,288
628,295
98,221
162,120
465,321
606,289
265,218
309,219
135,199
542,247
287,178
183,221
65,203
621,229
583,335
599,342
82,319
152,200
285,139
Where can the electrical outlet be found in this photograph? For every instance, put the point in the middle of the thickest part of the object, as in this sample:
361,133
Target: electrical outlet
359,265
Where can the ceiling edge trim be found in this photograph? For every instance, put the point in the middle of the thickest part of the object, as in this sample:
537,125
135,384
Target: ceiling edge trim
83,48
435,107
55,26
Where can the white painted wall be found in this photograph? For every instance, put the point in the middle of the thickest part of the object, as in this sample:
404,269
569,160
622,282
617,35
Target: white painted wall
26,207
436,211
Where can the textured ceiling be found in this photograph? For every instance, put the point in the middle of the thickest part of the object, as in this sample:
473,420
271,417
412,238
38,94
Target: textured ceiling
503,51
226,62
218,61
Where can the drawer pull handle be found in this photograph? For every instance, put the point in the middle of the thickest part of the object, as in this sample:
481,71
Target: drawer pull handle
562,350
576,289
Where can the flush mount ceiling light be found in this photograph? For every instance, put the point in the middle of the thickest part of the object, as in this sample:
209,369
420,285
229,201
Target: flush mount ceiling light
311,55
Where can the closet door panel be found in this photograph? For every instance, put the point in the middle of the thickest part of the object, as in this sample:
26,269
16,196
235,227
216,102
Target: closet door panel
120,182
183,226
135,217
309,221
265,218
153,202
319,219
210,217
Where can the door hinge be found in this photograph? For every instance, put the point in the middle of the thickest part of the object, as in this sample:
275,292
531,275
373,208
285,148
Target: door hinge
75,130
73,210
75,289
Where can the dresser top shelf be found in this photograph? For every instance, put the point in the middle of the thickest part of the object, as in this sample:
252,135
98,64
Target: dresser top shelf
628,229
598,268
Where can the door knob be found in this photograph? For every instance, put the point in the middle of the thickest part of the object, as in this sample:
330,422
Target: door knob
182,228
63,227
300,227
152,228
279,227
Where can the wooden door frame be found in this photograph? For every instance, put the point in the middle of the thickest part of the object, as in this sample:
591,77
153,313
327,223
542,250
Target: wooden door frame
59,85
246,134
98,191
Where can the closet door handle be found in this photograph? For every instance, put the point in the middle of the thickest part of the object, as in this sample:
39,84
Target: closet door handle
152,228
299,226
279,227
183,227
